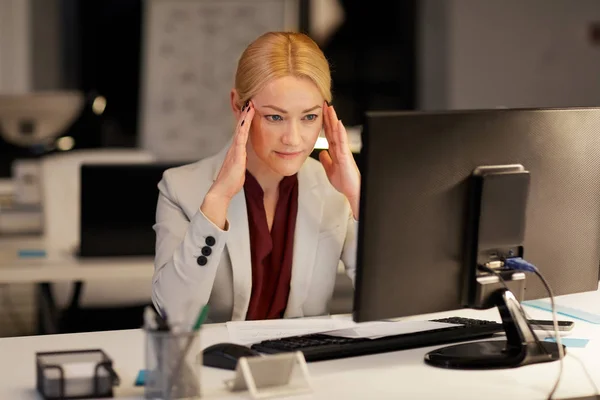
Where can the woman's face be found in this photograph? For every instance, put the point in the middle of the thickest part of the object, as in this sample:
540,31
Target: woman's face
287,121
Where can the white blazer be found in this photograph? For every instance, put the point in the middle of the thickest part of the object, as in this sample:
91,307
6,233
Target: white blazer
325,235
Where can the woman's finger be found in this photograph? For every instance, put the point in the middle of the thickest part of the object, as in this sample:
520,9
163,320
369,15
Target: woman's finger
242,116
342,134
327,124
244,123
343,147
243,133
333,121
333,139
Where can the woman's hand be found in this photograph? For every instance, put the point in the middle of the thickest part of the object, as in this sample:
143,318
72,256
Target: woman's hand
232,174
338,162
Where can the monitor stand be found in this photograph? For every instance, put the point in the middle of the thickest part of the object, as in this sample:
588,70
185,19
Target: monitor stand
521,346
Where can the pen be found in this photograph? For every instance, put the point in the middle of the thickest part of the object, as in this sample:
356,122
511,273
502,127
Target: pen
201,318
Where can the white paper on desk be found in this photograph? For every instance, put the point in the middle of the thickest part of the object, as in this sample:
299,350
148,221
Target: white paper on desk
75,370
249,332
378,329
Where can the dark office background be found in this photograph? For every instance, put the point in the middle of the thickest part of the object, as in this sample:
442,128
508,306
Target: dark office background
372,56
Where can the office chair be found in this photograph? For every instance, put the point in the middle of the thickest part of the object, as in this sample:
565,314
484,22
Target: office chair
62,306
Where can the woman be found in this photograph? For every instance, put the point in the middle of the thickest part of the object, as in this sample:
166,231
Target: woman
258,230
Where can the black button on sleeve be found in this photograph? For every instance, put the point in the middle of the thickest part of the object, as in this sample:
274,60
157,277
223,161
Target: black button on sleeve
202,260
206,251
210,241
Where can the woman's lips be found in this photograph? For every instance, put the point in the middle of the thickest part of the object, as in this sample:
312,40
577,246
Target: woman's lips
288,155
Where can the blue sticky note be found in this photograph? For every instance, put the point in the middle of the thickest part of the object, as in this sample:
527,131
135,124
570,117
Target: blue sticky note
141,378
31,253
570,342
564,310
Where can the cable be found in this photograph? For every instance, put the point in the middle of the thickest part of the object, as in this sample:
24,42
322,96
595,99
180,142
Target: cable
561,350
517,263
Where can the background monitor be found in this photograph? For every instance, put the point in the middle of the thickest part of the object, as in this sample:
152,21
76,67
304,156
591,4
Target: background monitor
118,209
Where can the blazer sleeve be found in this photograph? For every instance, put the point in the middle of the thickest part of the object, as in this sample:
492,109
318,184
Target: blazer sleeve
188,252
350,246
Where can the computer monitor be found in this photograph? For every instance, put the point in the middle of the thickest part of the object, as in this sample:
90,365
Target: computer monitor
118,209
416,214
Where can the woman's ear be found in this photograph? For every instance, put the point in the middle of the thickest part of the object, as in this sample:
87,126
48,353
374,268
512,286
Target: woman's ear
235,100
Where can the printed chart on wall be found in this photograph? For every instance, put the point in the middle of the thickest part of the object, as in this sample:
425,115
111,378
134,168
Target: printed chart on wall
190,53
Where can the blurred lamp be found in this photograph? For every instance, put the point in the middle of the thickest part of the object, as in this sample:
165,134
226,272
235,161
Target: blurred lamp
38,118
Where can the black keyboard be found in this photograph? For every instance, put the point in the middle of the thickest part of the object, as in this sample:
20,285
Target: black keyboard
318,347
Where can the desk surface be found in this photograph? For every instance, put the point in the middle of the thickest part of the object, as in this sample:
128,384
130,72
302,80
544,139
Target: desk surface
64,267
71,268
394,375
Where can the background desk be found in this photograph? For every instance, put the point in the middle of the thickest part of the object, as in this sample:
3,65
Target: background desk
42,271
56,267
396,375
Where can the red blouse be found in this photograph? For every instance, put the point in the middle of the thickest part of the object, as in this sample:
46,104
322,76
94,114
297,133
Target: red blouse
271,252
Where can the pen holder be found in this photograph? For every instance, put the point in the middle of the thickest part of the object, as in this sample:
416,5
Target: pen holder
173,363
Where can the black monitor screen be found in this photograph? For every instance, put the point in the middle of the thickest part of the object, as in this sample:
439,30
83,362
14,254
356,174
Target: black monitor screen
118,209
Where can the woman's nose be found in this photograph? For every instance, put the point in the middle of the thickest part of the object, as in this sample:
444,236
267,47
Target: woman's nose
292,137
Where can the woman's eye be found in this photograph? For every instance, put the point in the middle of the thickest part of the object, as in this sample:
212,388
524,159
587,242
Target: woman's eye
274,118
311,117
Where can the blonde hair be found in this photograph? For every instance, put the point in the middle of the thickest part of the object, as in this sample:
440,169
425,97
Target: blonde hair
279,54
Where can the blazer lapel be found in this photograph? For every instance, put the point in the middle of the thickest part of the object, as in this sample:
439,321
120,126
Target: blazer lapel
238,246
306,236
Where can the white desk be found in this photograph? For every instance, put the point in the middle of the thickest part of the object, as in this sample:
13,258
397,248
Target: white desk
73,269
45,271
397,375
64,267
